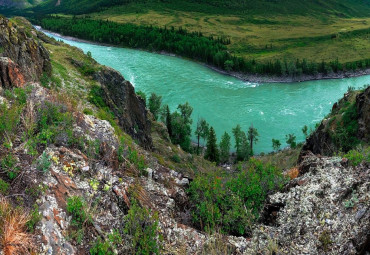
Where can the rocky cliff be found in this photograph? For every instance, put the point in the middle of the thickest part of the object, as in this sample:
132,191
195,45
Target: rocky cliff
347,125
78,174
120,95
23,58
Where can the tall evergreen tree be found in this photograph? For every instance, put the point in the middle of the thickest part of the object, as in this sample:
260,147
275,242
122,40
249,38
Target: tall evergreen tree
225,145
155,102
168,121
245,151
276,144
252,137
212,153
237,132
202,130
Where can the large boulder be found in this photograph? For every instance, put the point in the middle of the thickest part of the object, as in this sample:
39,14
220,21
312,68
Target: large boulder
127,106
27,54
10,76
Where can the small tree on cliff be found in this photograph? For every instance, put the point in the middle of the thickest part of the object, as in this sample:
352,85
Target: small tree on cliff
225,145
237,132
276,144
305,131
252,137
155,102
212,153
168,120
202,130
290,140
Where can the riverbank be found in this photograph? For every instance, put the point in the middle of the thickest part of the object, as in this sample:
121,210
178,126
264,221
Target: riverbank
289,79
255,78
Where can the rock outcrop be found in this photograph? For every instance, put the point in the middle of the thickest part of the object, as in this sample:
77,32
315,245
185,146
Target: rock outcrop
321,141
324,211
27,55
128,107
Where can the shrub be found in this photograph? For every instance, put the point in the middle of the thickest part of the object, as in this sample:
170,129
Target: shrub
143,229
35,218
4,187
345,134
175,158
96,96
54,121
9,163
77,207
106,247
354,157
232,203
44,163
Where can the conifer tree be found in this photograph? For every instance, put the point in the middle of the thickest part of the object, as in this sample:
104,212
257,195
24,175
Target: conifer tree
212,153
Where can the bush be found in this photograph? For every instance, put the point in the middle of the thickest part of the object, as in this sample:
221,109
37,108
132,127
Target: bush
108,246
4,187
354,157
9,164
143,229
44,163
77,207
232,203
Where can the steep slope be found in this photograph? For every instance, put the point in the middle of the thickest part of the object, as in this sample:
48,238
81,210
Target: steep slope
69,158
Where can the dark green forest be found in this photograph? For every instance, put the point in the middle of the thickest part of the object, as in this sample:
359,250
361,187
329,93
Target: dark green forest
193,45
346,8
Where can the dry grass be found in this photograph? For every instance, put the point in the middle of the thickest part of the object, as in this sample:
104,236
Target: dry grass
14,238
293,173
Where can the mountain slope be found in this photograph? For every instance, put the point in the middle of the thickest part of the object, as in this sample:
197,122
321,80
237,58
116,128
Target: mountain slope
250,7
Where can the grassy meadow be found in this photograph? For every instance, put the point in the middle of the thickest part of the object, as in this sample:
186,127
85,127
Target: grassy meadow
311,37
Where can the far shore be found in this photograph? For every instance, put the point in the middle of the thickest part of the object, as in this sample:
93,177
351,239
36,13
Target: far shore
241,76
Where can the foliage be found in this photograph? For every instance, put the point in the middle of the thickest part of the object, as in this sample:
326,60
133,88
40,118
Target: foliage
77,208
345,135
143,229
4,187
54,121
291,140
212,152
35,218
276,144
181,126
325,240
355,157
9,164
225,146
108,246
44,163
305,130
192,45
202,130
155,102
350,203
232,203
96,96
252,137
142,95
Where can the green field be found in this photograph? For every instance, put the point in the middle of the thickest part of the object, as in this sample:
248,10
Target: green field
264,30
265,38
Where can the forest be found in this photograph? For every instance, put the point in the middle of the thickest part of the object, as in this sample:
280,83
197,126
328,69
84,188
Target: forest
192,45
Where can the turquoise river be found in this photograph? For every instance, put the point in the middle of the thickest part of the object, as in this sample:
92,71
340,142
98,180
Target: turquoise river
275,109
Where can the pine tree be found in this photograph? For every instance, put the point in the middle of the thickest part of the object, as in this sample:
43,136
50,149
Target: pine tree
225,145
212,153
168,121
276,144
252,137
237,131
155,102
202,130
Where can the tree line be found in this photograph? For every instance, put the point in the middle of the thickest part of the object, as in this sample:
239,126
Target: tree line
179,123
193,45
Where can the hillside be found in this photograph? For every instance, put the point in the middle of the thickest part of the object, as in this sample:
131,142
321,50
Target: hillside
85,169
263,7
